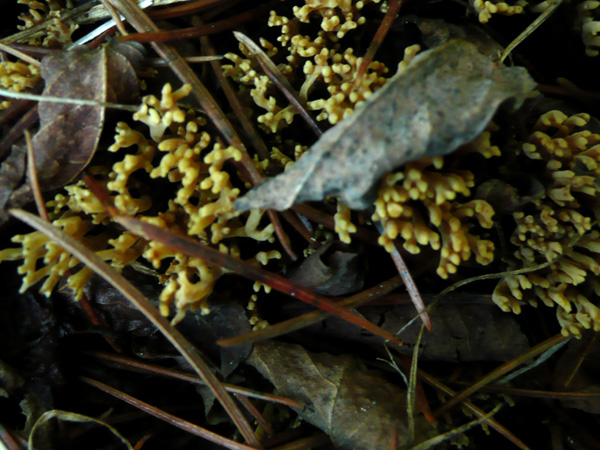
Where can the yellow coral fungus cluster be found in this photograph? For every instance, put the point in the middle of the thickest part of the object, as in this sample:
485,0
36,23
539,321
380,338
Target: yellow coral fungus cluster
419,199
561,226
176,180
485,8
588,14
17,77
311,62
337,16
57,34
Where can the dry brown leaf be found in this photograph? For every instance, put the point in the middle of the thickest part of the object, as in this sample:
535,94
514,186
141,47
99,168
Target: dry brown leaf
445,98
333,269
69,134
358,409
463,329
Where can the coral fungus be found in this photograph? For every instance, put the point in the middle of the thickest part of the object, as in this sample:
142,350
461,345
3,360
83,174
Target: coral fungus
56,33
320,61
419,197
561,226
485,8
588,17
181,160
17,77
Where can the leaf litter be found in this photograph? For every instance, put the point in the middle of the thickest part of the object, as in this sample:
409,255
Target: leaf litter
432,129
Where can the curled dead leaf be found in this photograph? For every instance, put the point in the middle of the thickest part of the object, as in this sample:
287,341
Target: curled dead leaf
443,99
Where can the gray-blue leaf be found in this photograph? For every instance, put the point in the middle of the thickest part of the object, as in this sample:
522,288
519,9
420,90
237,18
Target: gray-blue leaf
445,98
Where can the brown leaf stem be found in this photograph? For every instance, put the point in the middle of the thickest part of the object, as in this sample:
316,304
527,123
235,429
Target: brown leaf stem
410,284
254,412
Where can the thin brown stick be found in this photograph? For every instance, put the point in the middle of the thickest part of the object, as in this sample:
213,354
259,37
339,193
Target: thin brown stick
195,31
43,213
145,306
124,362
410,284
115,16
254,412
478,412
380,35
166,417
194,248
498,372
313,317
534,393
280,81
186,9
7,439
15,133
22,56
34,180
234,101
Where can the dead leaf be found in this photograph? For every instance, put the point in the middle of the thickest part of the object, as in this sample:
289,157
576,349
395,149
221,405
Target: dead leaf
333,269
227,318
358,409
69,134
463,329
445,98
436,32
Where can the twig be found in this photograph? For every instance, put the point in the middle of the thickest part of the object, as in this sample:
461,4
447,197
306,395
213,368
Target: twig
116,17
531,28
34,180
166,417
73,101
280,81
311,318
43,213
22,56
409,282
195,31
254,412
474,409
234,101
503,369
196,249
380,35
142,23
126,363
